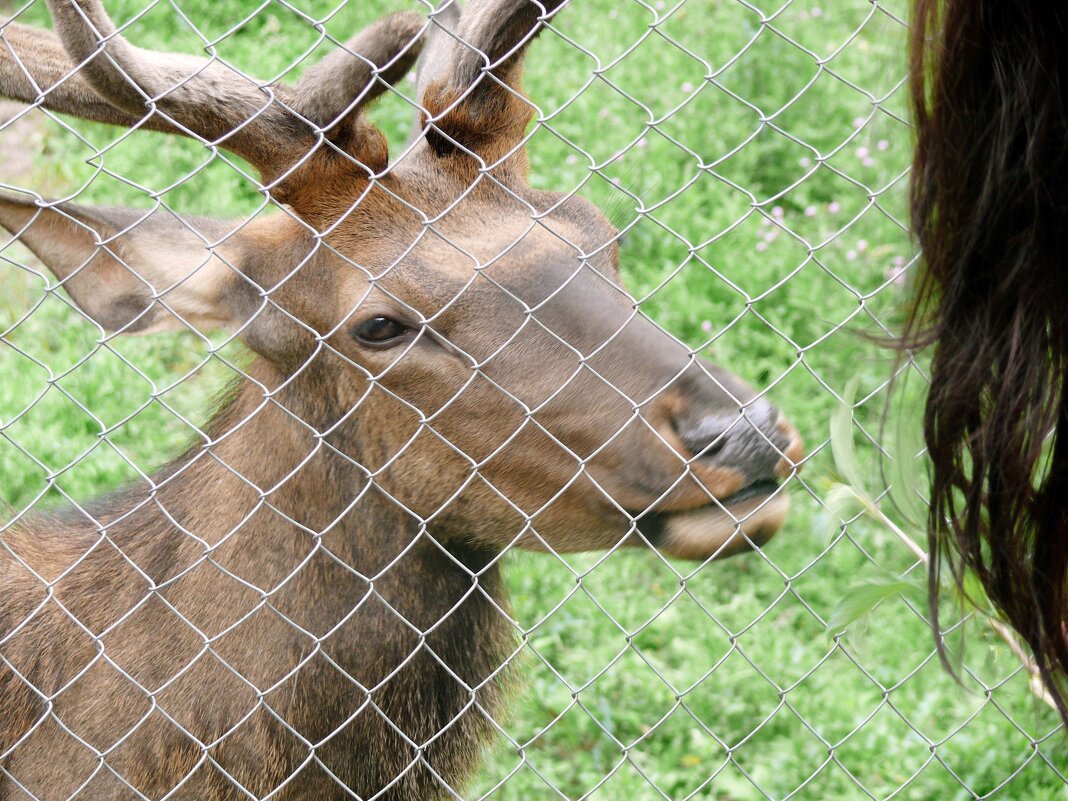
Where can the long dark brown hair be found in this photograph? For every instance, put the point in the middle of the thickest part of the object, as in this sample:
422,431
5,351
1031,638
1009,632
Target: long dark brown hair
989,201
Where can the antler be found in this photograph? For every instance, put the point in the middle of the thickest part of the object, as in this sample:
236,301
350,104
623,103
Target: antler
389,46
494,38
92,72
477,101
34,66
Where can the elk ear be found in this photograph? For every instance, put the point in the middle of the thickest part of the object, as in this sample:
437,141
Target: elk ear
471,94
132,270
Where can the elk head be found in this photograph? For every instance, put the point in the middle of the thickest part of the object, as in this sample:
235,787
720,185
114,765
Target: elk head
462,337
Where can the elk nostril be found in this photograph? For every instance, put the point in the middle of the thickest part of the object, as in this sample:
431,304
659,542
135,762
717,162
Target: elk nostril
753,441
712,448
708,438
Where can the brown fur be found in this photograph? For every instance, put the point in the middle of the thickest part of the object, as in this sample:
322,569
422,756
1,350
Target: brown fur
309,604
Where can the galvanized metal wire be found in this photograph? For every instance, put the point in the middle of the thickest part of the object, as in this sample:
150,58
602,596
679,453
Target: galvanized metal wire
23,137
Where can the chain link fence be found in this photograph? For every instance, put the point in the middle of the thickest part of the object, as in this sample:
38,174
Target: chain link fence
411,498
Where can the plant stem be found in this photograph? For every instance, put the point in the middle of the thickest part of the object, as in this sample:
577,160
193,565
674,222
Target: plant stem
1038,687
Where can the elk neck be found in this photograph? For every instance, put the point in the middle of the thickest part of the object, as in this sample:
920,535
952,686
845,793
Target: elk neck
313,586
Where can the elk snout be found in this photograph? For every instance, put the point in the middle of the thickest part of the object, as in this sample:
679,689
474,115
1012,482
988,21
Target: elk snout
755,441
739,451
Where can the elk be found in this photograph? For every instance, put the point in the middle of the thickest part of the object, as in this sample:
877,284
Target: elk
308,602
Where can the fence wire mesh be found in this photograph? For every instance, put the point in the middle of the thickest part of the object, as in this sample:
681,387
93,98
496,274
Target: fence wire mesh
297,587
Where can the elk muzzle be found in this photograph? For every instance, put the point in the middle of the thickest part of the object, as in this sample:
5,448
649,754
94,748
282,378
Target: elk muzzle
736,458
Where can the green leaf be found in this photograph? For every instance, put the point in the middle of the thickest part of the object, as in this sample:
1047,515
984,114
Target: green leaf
907,473
863,597
973,593
842,445
843,504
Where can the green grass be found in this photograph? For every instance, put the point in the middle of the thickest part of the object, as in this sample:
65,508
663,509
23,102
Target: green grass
645,679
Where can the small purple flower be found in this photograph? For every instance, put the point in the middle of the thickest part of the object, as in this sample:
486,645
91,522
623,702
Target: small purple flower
687,87
862,244
777,212
706,326
834,207
868,162
571,159
810,211
817,12
882,144
851,255
862,152
804,161
643,142
858,122
762,245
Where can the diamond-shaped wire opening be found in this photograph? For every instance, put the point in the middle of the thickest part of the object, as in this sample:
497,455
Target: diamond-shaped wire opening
754,156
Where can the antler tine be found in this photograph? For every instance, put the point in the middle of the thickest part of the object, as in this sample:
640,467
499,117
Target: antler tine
465,103
387,49
208,99
35,69
492,31
203,97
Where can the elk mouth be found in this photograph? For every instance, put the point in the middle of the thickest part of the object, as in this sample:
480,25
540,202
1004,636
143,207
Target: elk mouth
736,524
758,489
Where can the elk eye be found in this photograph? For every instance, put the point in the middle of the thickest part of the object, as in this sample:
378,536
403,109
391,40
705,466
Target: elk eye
379,330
